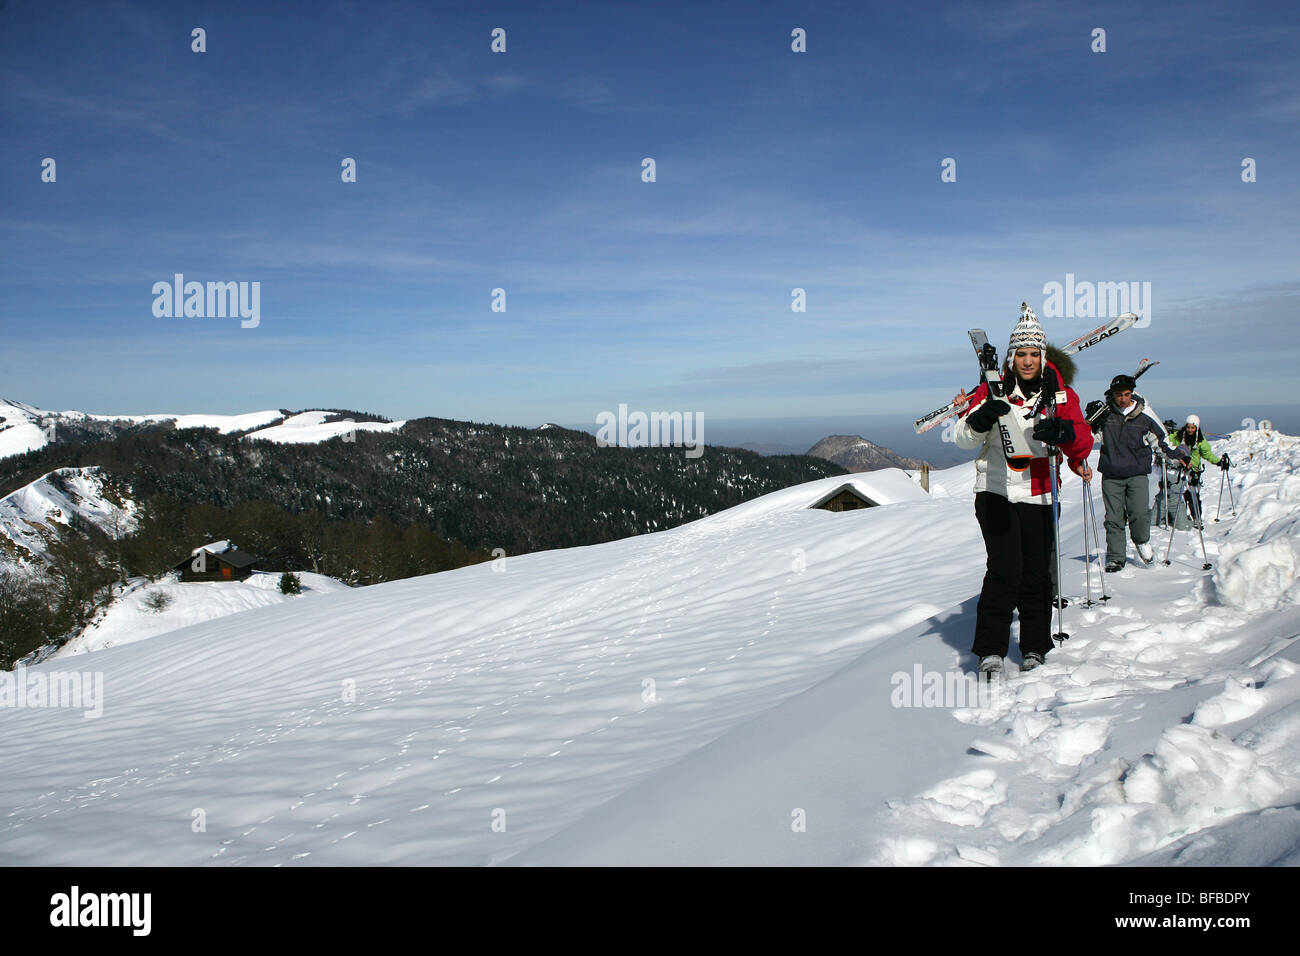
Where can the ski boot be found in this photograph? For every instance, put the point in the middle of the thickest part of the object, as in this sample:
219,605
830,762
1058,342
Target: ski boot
990,668
1031,660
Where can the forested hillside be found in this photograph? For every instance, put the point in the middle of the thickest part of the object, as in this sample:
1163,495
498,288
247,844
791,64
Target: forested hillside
366,508
484,486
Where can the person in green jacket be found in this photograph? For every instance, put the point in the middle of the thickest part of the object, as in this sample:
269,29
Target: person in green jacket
1201,452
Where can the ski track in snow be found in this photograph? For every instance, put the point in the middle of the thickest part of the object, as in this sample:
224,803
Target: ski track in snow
673,697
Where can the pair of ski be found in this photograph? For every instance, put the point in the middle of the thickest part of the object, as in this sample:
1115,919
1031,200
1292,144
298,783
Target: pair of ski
1015,446
1085,341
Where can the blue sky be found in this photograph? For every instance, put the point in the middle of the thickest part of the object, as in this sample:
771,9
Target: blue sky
522,170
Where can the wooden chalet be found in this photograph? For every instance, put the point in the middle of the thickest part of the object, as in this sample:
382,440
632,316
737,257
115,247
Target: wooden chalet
217,562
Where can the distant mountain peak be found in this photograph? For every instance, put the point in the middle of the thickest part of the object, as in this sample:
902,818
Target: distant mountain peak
856,453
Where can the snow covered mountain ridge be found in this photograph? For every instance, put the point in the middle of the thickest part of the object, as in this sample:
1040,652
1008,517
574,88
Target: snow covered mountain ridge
721,692
25,428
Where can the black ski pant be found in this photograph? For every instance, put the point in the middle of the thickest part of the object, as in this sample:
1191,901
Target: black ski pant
1185,514
1165,503
1018,539
1194,506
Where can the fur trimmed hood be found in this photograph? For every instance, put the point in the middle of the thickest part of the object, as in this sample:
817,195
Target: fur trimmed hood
1064,364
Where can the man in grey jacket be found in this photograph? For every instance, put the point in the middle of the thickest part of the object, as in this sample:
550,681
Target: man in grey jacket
1125,465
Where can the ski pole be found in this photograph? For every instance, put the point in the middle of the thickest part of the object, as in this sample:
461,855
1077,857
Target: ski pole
1232,501
1196,510
1164,475
1223,475
1096,539
1173,518
1089,522
1060,636
1087,552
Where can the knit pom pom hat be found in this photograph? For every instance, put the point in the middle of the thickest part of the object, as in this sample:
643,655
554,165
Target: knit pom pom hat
1028,333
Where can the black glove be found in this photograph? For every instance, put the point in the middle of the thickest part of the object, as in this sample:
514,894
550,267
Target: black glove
1093,408
1224,463
982,419
1054,431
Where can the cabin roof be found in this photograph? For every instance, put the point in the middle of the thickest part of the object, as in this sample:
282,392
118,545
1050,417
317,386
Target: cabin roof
235,557
847,486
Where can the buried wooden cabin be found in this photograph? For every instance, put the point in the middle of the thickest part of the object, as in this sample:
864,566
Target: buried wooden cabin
844,498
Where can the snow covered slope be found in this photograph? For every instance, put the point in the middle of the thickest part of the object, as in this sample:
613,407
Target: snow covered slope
312,427
130,619
225,424
19,431
727,691
28,516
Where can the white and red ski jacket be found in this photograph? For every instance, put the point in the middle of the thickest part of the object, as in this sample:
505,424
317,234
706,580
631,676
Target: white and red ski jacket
1033,484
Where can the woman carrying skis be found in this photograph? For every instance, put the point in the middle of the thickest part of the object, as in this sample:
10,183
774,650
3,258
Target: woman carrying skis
1013,506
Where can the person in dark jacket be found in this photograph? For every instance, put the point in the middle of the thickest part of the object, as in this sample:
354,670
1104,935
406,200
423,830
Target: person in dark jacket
1125,466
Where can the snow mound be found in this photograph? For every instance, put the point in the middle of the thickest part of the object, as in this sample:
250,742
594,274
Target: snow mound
1259,565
